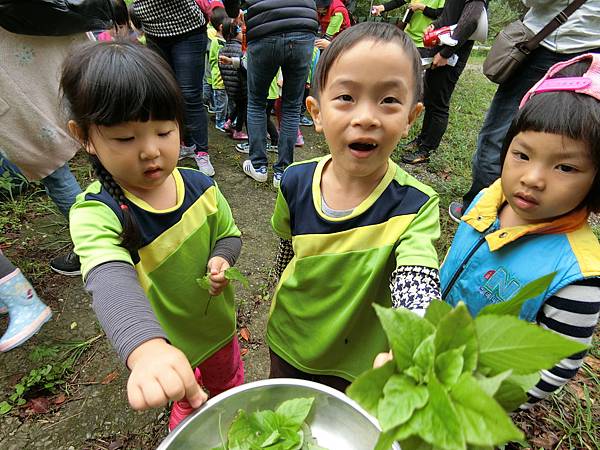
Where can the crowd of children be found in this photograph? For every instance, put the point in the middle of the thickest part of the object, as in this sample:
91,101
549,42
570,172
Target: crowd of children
354,227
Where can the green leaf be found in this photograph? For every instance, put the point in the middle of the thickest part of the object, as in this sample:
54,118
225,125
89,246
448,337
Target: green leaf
424,356
449,366
401,398
527,292
512,393
482,419
416,374
506,343
415,443
455,330
385,441
271,439
367,389
436,310
204,282
5,407
405,331
233,274
437,423
293,412
490,385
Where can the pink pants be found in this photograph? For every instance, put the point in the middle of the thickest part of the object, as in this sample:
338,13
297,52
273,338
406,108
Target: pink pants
222,370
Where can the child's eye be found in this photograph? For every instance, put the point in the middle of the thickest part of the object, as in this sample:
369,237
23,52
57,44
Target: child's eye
565,168
124,139
345,98
391,100
164,134
520,155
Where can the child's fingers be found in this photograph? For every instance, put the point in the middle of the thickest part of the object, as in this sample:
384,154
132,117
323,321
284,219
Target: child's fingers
172,385
135,396
154,395
193,393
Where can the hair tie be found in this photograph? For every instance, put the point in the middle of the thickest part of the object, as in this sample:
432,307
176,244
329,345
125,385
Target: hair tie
123,207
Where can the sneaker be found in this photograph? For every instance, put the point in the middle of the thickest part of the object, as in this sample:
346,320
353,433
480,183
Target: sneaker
417,157
272,148
239,136
227,126
204,165
455,210
182,409
210,109
306,122
259,174
243,147
277,179
68,265
299,139
221,128
187,152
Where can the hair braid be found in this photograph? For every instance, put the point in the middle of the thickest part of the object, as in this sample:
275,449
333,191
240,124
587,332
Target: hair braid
130,237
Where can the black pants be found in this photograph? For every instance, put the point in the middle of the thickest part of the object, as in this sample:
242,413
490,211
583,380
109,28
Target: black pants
281,369
271,128
240,112
439,84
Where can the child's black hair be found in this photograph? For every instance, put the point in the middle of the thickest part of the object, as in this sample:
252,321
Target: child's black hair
566,113
134,18
121,13
217,17
230,29
365,31
108,83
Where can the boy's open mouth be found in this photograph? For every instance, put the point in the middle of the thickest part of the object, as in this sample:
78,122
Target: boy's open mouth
363,146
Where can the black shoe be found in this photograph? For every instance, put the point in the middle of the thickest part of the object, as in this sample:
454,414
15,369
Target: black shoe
411,146
455,211
68,264
417,157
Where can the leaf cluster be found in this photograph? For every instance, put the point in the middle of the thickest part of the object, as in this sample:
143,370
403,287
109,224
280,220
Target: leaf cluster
282,429
231,273
454,378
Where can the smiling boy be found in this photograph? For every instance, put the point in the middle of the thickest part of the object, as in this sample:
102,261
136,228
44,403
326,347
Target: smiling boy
355,228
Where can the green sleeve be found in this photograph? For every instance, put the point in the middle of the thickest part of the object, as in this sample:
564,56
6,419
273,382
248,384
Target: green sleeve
225,223
95,231
213,60
335,24
281,218
416,244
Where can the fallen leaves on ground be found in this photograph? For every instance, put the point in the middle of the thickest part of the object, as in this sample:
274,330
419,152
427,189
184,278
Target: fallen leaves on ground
110,377
243,351
245,334
39,405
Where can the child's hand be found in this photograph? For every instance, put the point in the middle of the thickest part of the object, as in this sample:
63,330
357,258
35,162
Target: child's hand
417,6
322,43
159,373
216,274
225,60
376,10
382,358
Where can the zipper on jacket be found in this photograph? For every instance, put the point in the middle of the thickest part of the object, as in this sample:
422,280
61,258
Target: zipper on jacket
462,267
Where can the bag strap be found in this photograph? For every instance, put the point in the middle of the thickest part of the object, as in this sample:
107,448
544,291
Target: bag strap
556,22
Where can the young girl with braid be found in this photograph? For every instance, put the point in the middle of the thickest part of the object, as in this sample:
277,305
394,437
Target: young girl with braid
146,230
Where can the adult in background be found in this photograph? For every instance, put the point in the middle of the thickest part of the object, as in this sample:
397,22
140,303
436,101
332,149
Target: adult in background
177,28
35,36
440,80
578,35
280,33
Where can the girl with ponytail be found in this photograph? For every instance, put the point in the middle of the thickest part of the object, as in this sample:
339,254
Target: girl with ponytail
146,230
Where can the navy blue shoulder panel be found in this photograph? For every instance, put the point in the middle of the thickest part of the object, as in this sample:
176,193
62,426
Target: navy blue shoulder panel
396,200
151,225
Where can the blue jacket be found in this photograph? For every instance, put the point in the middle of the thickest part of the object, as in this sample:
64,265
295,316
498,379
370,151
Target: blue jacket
487,265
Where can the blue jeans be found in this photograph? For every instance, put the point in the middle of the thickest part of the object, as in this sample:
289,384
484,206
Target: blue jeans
61,185
486,163
220,102
292,52
185,54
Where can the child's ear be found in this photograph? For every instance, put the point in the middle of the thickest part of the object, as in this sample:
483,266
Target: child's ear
78,134
312,105
412,116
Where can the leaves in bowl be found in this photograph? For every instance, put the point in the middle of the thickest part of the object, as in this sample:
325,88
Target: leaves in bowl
282,429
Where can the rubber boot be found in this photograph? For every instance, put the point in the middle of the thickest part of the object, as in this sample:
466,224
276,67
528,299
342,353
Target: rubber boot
26,312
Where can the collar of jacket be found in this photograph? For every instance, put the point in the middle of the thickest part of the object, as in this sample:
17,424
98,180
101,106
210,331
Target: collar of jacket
485,213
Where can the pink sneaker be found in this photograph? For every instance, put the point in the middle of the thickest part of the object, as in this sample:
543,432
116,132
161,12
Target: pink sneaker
299,139
228,127
239,136
181,409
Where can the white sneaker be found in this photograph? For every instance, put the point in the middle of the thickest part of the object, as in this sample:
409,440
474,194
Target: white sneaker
272,148
244,147
259,174
204,165
277,179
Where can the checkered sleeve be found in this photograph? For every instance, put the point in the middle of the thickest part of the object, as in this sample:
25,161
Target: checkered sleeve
164,18
414,287
284,256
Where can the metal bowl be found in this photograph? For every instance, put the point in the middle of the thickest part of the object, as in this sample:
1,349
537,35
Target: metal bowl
336,421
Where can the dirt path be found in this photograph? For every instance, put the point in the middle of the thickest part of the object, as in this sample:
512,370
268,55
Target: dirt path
95,414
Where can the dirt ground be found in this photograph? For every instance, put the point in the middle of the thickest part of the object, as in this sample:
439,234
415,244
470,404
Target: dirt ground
95,413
